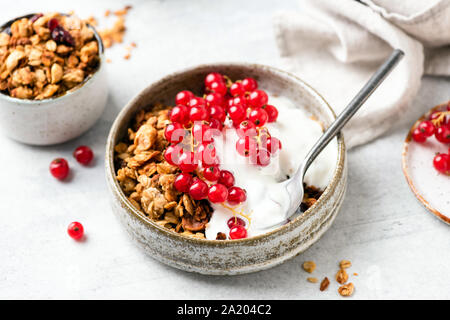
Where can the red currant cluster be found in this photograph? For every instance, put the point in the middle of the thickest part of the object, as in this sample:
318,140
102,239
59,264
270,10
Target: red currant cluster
438,124
237,228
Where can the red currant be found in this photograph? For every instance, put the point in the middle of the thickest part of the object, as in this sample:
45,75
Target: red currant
249,84
259,117
59,168
218,113
218,87
238,232
217,193
272,113
443,134
441,163
75,230
215,124
262,157
202,133
183,97
427,128
211,173
273,145
198,189
235,221
174,132
246,128
83,155
257,98
237,89
187,162
215,99
197,102
246,146
182,182
226,178
237,113
418,136
206,154
213,77
236,195
180,114
172,154
198,114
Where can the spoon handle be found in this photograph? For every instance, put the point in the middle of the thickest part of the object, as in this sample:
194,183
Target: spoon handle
352,107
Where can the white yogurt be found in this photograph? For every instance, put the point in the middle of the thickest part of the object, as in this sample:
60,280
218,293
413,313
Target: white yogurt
297,133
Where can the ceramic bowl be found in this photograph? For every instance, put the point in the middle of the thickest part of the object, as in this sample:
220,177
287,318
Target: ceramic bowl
228,257
59,119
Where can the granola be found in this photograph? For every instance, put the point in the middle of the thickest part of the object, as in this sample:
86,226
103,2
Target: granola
45,55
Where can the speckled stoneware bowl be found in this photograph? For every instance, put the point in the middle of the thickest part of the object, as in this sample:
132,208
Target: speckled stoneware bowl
59,119
228,257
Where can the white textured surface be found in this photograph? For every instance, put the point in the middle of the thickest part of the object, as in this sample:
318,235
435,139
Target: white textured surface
397,248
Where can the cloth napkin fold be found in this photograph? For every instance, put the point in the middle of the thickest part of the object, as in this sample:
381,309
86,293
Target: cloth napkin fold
337,45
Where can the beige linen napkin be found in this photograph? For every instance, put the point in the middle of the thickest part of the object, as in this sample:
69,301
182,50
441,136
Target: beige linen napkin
335,45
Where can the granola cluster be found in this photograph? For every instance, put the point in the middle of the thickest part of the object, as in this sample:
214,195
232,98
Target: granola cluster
147,178
46,55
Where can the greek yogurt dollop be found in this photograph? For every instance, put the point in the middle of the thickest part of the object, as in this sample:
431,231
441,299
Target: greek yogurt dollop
297,132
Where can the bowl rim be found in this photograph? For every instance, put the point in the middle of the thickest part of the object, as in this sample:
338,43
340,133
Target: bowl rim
68,93
115,187
405,168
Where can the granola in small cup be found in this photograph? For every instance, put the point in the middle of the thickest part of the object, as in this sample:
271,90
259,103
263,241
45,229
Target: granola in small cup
45,55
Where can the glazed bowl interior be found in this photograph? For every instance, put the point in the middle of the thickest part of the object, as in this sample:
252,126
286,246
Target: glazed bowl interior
276,82
101,50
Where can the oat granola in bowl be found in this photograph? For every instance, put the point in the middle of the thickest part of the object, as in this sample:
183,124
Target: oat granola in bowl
204,214
52,81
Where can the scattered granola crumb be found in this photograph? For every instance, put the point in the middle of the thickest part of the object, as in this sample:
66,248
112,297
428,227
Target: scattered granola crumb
107,13
345,264
127,56
324,284
309,266
346,290
108,60
355,274
312,280
341,276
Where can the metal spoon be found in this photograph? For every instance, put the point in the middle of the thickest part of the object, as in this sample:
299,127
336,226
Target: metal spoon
294,185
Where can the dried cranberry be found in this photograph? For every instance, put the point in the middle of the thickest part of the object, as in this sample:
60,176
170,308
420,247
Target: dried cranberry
35,17
62,36
52,24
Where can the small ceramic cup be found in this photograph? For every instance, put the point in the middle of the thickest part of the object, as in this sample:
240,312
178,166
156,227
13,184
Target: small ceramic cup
59,119
228,257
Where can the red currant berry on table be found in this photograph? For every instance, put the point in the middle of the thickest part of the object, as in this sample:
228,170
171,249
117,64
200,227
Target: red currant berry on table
418,136
172,154
259,117
246,146
273,145
218,113
59,168
174,132
75,230
198,189
442,134
226,178
215,99
217,193
427,128
238,232
213,77
218,87
236,196
237,113
237,89
272,113
183,182
262,157
83,155
257,99
211,173
183,97
249,84
246,128
198,113
180,114
187,162
441,163
235,221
